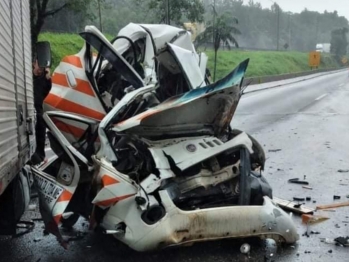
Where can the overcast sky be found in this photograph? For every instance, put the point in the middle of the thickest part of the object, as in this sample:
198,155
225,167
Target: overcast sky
296,6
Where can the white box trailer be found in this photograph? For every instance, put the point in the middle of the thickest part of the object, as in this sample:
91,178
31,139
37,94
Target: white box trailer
17,138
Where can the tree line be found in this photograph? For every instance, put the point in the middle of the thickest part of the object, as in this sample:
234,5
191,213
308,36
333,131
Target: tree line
261,28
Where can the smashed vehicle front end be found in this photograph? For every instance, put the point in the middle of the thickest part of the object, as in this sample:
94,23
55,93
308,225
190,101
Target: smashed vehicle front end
182,227
183,201
169,171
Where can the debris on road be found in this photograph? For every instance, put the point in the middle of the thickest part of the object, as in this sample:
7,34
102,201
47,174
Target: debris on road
337,226
307,187
315,232
334,205
342,241
339,241
343,171
37,239
330,251
31,207
308,198
297,181
328,240
292,206
336,197
245,248
298,199
311,220
274,150
28,227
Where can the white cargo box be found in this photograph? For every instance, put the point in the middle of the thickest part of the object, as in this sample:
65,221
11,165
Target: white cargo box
17,139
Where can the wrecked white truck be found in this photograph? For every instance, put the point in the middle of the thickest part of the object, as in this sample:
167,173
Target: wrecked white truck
144,148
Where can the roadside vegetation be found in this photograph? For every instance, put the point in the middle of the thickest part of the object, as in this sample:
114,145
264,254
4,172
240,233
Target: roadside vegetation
62,45
231,23
262,63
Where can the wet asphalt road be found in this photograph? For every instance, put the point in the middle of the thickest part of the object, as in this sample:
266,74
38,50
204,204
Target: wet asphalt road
309,122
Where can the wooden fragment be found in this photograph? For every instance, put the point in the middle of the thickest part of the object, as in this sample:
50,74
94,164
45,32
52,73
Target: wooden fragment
334,205
310,219
307,187
293,206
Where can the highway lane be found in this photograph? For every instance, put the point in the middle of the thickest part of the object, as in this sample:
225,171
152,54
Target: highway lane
262,108
308,121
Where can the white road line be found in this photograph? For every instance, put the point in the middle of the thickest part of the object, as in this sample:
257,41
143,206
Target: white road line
321,97
251,95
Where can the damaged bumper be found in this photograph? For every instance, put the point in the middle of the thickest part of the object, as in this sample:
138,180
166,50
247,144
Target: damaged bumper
183,227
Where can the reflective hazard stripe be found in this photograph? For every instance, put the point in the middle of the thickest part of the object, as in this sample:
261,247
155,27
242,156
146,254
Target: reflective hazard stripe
73,60
112,201
63,126
108,180
69,106
81,85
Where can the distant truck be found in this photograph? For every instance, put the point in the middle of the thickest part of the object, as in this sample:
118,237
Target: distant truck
323,48
17,113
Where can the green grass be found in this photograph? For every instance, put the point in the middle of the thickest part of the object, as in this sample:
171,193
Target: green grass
262,63
63,45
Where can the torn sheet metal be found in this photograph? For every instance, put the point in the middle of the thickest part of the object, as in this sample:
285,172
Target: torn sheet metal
190,66
209,109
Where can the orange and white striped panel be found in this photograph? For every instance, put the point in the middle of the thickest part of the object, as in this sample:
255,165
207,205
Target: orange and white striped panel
81,99
114,189
61,205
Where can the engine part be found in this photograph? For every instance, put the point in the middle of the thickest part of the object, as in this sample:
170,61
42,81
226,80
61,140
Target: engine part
245,170
259,188
207,178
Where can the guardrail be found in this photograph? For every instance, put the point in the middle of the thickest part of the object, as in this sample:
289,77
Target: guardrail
272,78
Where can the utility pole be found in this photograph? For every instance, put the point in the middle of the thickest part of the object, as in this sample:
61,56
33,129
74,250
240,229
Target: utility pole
100,15
168,20
277,23
278,29
289,31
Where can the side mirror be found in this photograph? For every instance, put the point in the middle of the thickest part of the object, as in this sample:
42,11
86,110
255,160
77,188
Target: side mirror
43,53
